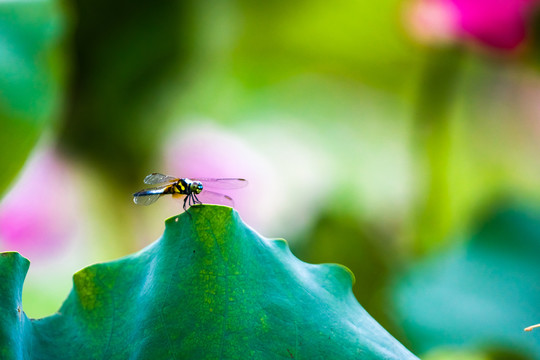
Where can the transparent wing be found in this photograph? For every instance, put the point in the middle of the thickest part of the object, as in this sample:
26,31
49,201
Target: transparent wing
223,183
148,196
210,197
157,178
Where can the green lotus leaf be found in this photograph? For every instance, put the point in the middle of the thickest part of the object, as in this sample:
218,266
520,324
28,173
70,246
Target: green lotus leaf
209,288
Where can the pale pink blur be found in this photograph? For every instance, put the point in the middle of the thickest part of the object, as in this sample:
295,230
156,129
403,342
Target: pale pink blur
280,164
36,216
432,21
214,153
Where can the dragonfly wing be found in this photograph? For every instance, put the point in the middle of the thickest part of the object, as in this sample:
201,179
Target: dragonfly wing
147,197
210,197
157,178
223,183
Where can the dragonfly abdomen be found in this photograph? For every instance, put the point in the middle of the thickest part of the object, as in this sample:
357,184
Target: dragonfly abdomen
151,192
149,196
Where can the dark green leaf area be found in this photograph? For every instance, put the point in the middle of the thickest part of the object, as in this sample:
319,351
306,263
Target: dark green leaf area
209,288
128,59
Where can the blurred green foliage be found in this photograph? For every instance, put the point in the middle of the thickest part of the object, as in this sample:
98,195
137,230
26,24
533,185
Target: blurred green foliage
243,49
368,251
349,40
32,70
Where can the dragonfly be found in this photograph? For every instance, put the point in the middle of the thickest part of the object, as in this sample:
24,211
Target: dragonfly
190,188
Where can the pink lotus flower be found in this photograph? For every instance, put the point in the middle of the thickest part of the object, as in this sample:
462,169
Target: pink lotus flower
500,24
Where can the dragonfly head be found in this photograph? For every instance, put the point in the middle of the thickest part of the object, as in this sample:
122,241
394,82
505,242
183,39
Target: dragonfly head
196,187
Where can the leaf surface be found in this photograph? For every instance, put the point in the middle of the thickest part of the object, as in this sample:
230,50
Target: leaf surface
209,288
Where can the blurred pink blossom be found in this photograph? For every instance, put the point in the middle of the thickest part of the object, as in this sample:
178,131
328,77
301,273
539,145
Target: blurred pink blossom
37,216
280,164
500,24
209,152
432,21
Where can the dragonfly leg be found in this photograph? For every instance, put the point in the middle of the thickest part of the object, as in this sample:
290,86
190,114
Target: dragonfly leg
197,201
185,200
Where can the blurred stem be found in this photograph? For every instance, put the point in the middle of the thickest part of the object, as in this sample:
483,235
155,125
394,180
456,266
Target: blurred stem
432,129
530,328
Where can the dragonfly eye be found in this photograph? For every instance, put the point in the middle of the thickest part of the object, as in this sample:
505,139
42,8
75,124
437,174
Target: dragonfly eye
196,187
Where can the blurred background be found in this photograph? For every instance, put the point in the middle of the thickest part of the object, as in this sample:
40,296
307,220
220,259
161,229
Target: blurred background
399,138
